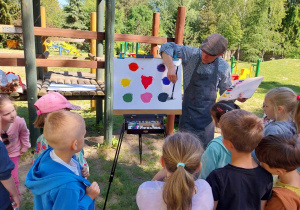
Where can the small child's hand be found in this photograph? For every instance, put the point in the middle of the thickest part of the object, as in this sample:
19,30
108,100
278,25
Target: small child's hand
93,191
85,172
16,200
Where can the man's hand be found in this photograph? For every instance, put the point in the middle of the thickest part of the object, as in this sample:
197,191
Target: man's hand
85,172
241,99
172,76
93,191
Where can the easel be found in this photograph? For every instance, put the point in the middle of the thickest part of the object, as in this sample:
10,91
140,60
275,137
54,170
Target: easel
139,118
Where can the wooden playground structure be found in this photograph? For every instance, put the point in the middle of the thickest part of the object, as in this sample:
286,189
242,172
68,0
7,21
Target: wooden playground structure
36,60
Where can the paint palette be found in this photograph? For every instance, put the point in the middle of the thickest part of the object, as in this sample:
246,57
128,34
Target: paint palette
142,124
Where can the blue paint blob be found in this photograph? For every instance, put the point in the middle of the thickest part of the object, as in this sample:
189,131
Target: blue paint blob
161,67
162,97
166,81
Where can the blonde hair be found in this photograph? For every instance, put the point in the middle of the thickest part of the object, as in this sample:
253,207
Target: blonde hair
285,97
243,129
180,187
61,127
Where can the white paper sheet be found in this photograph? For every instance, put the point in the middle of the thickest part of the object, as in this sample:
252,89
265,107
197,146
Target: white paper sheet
74,87
245,87
128,82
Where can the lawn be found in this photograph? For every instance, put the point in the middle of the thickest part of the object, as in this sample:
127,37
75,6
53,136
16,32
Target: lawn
129,173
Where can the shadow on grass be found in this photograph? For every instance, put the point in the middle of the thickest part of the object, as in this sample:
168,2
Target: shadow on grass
268,85
127,178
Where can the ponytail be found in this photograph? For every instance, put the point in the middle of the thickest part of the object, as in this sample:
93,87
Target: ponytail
179,190
181,154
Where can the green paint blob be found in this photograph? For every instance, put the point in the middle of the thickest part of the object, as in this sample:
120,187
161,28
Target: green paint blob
127,97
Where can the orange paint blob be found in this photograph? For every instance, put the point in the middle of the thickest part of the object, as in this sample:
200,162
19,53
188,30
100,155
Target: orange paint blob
133,66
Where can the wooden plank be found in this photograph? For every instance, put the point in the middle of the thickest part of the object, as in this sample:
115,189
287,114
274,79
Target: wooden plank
53,63
55,32
17,55
135,111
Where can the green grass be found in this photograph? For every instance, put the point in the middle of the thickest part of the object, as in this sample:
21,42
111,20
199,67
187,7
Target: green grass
129,173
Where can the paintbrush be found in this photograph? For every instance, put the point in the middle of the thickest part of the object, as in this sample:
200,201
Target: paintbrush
174,84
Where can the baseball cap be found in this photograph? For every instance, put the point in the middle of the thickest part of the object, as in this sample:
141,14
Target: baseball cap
53,102
214,44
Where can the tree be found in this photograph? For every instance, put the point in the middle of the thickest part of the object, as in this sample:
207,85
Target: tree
5,17
54,14
75,17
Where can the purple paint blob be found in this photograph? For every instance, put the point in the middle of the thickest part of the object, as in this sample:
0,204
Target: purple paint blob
161,67
146,97
166,81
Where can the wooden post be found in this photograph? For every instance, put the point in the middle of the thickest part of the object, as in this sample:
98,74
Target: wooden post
30,66
180,22
155,29
99,72
38,39
93,50
109,60
43,25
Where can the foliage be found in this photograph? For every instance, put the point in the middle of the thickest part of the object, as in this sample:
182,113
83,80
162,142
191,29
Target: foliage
5,17
54,14
75,18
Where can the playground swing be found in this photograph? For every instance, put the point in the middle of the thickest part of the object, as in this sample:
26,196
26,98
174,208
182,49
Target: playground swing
243,73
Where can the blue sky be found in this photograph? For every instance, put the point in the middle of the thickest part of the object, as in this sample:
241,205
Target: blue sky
63,2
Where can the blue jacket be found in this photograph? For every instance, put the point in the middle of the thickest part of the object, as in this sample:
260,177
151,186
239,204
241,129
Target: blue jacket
55,187
6,166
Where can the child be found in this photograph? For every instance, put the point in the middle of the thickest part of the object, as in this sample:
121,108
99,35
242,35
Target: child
216,155
7,183
55,177
242,184
279,105
181,155
14,133
280,155
46,104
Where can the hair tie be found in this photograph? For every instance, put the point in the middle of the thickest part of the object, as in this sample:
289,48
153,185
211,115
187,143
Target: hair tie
298,97
181,164
219,109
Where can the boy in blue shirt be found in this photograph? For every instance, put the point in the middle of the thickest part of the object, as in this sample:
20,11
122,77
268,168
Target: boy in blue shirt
55,178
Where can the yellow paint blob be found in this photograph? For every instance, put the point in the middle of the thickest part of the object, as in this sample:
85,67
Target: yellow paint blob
125,82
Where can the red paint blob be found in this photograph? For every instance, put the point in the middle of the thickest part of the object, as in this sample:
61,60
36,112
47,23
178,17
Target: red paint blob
146,81
146,97
133,66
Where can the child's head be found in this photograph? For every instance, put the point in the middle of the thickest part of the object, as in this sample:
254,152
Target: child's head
280,103
65,130
181,154
242,129
277,152
49,103
7,109
220,108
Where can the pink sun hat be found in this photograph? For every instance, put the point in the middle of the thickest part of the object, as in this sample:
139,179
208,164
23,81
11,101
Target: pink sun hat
53,101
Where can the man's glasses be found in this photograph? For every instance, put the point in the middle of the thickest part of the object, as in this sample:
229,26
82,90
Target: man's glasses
4,138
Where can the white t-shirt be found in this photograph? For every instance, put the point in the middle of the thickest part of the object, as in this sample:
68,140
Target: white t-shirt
149,196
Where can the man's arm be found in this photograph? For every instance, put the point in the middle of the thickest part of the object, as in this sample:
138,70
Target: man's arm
263,204
168,61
